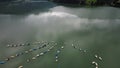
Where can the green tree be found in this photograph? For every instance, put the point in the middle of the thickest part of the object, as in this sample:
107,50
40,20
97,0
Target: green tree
89,2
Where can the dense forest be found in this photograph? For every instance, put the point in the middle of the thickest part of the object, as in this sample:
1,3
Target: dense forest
115,3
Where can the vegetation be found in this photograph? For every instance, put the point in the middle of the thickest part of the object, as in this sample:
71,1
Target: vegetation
90,2
115,3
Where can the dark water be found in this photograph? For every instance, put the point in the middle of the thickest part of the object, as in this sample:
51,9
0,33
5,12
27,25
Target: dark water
96,30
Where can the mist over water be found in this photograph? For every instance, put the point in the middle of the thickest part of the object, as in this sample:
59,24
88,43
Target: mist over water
97,30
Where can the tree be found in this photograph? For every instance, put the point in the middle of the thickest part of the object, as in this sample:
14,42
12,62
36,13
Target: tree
90,2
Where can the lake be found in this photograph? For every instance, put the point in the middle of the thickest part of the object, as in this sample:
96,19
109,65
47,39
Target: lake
82,37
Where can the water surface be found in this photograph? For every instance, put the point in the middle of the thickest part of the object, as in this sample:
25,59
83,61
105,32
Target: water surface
95,29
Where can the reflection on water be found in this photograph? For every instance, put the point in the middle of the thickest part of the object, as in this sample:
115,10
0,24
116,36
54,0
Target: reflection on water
93,33
25,7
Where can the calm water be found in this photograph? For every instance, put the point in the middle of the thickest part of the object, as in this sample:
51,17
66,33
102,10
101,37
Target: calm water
96,30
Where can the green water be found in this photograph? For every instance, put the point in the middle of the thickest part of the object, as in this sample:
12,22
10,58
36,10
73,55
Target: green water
96,30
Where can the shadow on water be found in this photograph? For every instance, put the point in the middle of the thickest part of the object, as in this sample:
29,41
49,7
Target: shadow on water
25,7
